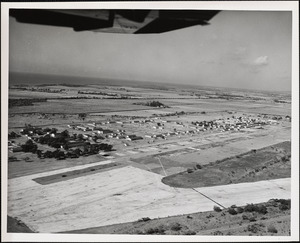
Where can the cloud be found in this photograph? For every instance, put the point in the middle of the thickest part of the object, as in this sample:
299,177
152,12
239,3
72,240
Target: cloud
261,61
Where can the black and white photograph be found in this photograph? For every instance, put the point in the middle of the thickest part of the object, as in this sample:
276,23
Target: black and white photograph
150,121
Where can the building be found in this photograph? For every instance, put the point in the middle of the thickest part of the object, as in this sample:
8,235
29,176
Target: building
136,138
72,144
17,149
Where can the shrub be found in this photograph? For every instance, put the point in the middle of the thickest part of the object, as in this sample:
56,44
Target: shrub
249,208
284,207
254,208
189,232
160,229
218,233
190,170
261,209
217,209
150,231
232,211
176,227
239,210
254,228
272,229
284,202
157,230
199,167
144,219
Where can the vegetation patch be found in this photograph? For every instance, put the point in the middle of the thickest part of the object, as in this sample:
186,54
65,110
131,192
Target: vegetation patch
24,102
271,162
152,104
210,223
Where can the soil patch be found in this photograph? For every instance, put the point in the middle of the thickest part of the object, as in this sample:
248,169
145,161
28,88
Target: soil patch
75,173
17,226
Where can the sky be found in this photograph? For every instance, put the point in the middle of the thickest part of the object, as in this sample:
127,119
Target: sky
239,49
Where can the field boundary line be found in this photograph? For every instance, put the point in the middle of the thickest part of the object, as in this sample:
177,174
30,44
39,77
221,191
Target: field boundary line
162,166
208,198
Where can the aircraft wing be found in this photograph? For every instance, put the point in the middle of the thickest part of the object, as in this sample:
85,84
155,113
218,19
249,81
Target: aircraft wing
115,21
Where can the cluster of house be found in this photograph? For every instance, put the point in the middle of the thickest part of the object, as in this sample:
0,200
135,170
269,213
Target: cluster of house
58,140
101,133
228,124
232,124
178,128
13,148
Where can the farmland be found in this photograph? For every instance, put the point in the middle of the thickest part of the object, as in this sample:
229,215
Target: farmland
174,154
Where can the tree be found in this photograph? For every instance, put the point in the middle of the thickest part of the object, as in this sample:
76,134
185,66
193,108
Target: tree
29,146
53,130
65,134
82,116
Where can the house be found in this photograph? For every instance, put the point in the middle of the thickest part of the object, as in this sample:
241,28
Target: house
86,136
17,149
72,144
121,137
106,131
84,128
136,138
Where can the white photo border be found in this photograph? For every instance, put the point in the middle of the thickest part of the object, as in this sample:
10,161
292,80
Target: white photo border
220,5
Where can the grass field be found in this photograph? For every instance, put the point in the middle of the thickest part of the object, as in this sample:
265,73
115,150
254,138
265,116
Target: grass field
268,163
71,106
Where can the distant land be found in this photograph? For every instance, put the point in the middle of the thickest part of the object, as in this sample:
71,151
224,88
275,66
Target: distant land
21,78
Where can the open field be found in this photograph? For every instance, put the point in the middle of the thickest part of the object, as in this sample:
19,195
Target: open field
276,221
104,198
208,148
71,106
